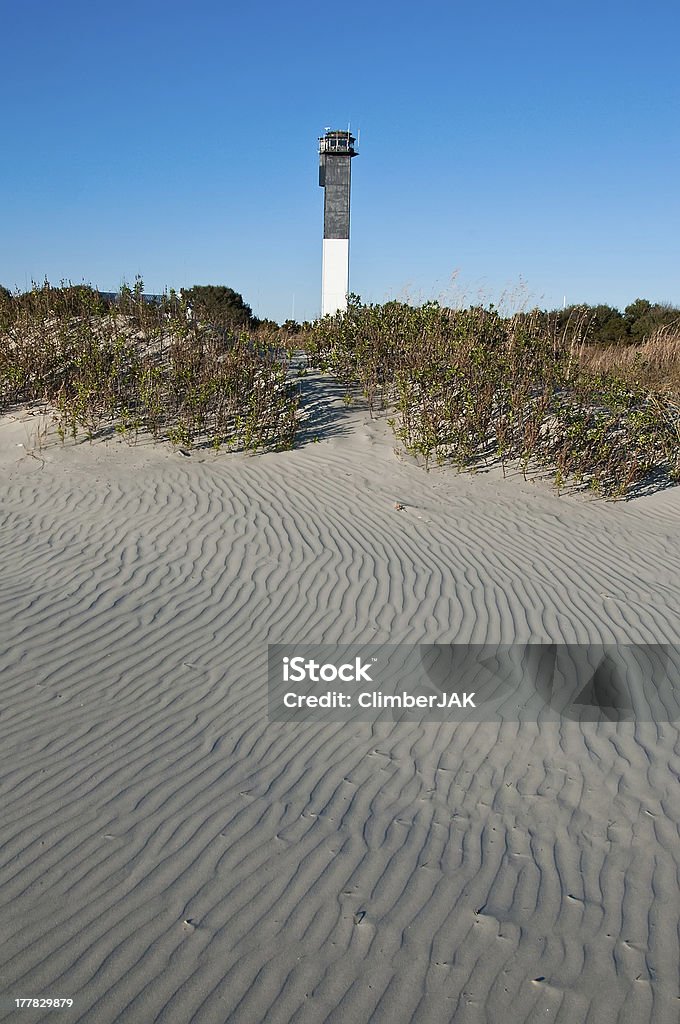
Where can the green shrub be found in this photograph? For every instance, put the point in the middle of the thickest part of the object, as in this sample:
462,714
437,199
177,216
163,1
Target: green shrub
132,365
467,386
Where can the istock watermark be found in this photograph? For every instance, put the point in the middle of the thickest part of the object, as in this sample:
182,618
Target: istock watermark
298,670
474,682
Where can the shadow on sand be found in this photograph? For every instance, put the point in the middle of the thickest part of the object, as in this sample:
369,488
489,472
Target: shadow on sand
328,406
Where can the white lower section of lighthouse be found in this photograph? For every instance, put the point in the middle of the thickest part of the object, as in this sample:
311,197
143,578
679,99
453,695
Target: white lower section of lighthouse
335,275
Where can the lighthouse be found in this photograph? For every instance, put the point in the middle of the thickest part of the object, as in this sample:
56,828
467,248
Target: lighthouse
336,150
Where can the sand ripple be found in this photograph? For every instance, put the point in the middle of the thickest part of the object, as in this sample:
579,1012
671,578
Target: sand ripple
167,855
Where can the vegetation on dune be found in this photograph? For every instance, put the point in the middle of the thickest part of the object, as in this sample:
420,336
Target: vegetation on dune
589,394
129,365
467,386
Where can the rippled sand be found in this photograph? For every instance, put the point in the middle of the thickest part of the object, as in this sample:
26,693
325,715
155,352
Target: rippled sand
168,855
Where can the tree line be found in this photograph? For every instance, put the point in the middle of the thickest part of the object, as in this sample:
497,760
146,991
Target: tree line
606,325
214,304
222,306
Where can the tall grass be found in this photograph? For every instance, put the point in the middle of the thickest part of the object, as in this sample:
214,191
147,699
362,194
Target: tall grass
131,366
654,363
470,386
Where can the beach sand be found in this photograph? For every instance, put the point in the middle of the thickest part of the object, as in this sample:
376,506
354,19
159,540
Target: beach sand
169,855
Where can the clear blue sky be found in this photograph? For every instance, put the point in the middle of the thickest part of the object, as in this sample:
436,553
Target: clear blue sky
528,147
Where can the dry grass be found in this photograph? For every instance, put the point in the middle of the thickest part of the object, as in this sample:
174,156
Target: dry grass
654,364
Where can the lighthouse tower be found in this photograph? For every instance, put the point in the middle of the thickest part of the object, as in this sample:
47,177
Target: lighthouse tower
336,150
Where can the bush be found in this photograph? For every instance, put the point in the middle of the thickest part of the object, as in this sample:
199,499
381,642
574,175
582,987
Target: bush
132,365
218,305
467,386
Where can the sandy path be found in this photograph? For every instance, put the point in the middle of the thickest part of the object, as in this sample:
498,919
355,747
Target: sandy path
167,855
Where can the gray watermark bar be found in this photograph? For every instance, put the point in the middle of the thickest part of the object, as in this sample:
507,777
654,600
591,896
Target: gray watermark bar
474,682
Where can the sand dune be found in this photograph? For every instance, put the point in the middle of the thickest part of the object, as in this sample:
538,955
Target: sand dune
169,855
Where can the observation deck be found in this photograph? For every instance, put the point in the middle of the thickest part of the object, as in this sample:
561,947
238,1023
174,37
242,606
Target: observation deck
337,144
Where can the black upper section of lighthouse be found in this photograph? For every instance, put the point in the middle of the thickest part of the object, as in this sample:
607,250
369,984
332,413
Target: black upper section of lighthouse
336,150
